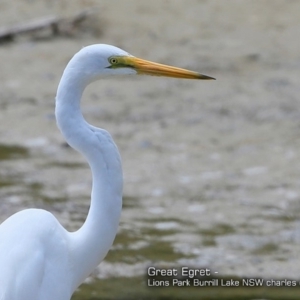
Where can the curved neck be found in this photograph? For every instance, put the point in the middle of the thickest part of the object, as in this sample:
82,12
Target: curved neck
90,244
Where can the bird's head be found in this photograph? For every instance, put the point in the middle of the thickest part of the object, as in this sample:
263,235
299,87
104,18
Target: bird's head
93,61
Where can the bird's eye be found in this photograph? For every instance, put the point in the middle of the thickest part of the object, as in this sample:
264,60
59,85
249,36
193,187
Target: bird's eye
113,60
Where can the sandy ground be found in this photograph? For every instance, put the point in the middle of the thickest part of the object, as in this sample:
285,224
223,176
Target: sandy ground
218,161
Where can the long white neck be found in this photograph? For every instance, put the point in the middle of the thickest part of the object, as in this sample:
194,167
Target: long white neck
90,244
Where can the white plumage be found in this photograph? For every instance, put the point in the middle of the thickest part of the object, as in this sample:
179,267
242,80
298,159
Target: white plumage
39,259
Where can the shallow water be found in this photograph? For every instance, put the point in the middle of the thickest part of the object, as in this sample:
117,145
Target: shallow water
211,169
147,237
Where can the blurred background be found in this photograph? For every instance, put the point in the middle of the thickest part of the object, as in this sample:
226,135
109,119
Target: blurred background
211,169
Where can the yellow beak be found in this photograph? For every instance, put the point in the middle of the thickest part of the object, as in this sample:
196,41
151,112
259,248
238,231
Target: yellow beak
155,69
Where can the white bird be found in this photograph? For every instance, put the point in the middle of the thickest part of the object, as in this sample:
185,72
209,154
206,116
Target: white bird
39,259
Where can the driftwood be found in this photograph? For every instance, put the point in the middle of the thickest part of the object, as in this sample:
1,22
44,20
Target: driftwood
54,25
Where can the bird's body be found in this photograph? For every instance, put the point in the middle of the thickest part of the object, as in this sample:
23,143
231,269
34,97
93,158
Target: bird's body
27,265
39,259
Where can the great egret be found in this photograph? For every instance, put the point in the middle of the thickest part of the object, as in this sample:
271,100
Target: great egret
39,259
